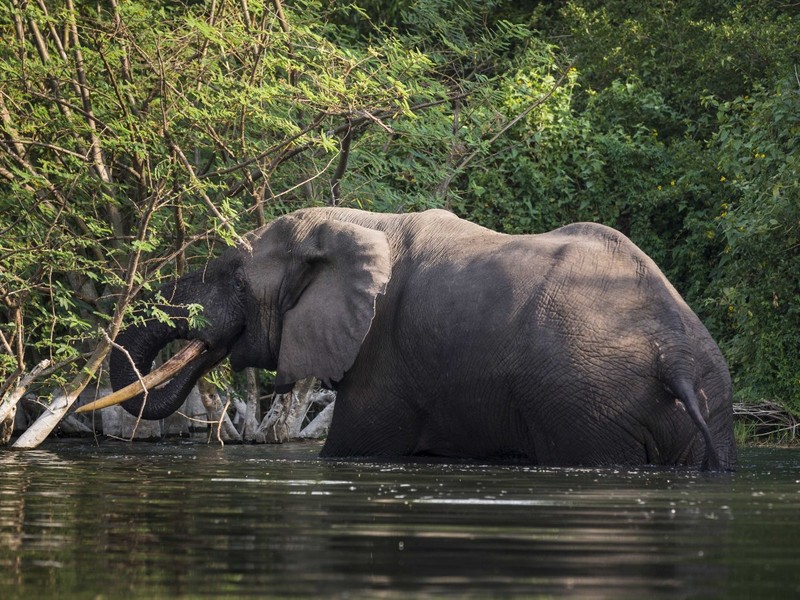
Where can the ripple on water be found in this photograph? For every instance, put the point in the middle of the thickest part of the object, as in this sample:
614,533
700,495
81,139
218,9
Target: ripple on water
148,520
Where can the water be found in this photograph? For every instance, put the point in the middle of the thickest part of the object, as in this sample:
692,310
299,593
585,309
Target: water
184,519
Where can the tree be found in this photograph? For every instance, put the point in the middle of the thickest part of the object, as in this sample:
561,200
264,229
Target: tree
139,138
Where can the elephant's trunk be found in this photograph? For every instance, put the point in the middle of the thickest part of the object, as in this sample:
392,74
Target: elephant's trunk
138,347
150,381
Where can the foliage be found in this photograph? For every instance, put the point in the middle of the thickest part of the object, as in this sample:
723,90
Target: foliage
683,48
757,147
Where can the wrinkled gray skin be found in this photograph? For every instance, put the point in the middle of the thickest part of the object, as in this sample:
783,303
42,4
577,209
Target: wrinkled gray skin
444,338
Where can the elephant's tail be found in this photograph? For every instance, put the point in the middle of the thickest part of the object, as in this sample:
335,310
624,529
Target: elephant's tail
686,394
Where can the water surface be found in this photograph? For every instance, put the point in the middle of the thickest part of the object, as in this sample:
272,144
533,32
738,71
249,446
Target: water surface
186,519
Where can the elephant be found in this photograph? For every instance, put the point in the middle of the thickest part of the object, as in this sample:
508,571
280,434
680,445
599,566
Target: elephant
444,338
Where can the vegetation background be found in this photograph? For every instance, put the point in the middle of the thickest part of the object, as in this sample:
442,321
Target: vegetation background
139,138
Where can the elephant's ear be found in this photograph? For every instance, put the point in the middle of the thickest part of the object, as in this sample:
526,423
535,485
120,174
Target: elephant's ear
344,267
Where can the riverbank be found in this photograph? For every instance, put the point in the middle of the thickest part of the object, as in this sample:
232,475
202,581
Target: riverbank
765,423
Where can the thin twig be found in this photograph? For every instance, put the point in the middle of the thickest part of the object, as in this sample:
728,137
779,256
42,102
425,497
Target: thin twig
357,121
139,376
344,154
289,46
444,186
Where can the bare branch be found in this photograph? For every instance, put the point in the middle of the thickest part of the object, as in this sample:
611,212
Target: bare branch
223,221
246,14
289,46
344,154
375,119
95,148
36,433
5,117
441,191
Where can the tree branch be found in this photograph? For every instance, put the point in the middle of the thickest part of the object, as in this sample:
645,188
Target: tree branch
441,191
344,154
289,46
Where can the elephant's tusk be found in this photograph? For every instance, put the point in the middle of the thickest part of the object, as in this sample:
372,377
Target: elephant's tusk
166,371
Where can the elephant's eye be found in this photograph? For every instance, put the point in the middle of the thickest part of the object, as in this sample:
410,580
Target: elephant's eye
238,282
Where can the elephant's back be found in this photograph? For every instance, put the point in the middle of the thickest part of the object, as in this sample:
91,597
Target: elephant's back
603,265
623,318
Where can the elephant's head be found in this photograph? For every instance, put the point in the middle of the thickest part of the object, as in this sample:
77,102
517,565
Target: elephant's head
298,298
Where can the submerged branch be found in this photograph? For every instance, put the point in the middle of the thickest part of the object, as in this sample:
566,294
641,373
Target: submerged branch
767,419
8,402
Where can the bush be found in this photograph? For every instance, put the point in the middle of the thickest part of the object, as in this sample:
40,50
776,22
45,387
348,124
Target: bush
757,148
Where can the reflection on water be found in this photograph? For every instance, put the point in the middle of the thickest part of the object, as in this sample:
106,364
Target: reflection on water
186,519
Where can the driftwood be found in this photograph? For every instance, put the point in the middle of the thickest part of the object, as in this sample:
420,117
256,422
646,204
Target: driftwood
768,419
245,421
283,422
286,416
319,426
223,429
279,424
207,412
8,404
72,425
63,399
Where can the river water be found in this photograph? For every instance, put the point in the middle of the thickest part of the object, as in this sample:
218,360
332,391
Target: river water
186,519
